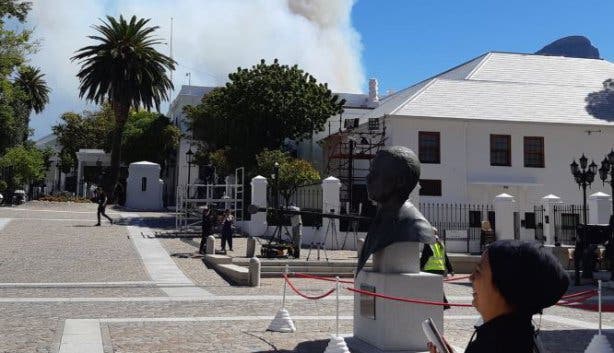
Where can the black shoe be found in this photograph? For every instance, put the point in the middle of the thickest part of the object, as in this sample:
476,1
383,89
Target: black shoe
97,225
446,307
111,221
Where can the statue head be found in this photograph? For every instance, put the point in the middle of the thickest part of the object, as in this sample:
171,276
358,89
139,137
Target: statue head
393,174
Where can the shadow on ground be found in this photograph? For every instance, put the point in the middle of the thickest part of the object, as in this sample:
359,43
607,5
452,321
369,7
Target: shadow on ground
570,341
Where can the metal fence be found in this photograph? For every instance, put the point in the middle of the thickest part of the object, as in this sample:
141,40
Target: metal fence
566,219
537,223
460,225
307,198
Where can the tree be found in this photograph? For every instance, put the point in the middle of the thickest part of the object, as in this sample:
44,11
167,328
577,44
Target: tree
27,165
87,130
293,172
261,107
14,48
149,137
126,70
31,82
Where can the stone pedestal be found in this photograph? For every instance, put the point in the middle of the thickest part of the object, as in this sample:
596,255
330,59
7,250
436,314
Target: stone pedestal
382,325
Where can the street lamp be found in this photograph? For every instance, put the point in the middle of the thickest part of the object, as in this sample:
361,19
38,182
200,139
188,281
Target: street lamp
189,155
607,167
584,177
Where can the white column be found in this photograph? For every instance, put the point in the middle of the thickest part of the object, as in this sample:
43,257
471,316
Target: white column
331,189
257,225
548,203
599,208
505,205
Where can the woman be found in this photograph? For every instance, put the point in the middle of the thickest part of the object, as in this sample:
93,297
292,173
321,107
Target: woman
227,220
513,281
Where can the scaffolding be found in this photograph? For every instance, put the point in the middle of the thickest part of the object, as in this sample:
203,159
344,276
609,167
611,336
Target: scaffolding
219,197
346,149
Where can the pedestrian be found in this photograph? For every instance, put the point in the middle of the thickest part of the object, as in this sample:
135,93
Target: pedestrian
207,225
513,281
227,225
101,199
435,260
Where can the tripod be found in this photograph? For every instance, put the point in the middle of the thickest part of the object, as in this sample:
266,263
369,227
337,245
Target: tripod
331,229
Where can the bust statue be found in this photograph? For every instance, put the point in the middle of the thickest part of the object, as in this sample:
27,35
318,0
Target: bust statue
393,175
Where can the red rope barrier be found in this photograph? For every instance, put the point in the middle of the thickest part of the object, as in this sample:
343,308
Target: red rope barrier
329,279
331,291
406,300
455,278
592,292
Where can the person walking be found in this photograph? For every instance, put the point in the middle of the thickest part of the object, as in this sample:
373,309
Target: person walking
227,223
207,226
435,260
101,199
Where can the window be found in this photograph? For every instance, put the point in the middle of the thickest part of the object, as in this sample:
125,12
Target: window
143,184
430,187
501,150
428,147
529,220
534,152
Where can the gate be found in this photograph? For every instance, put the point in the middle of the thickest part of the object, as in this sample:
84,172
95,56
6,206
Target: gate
566,219
537,222
460,225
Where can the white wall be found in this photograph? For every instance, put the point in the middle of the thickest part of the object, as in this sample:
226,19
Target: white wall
465,158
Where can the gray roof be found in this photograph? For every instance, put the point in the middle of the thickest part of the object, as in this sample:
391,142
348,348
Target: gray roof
511,87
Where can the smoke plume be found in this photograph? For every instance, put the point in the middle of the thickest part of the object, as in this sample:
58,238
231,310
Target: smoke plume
211,38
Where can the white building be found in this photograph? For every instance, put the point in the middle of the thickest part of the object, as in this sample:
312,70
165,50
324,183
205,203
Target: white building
503,123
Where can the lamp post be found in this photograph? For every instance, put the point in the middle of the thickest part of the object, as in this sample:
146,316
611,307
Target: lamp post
607,167
189,155
584,175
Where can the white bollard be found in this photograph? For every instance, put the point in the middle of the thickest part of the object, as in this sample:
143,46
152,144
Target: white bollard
254,272
210,245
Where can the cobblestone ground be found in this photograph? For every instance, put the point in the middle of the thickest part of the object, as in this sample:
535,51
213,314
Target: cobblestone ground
55,267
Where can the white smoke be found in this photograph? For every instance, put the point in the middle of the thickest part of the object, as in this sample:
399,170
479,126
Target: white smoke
211,38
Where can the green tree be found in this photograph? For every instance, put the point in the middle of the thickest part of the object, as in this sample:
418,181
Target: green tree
87,130
35,93
27,165
261,107
149,137
14,48
125,69
293,172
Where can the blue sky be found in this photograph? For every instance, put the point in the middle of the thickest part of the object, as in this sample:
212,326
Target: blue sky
399,42
406,41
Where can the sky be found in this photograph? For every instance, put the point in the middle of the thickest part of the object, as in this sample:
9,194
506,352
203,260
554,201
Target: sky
341,42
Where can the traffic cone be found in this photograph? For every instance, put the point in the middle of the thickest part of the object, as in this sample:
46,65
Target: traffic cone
282,322
336,345
599,344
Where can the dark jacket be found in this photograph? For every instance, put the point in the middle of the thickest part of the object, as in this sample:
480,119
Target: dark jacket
427,252
511,333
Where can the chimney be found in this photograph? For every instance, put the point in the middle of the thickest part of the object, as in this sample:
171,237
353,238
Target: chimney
373,94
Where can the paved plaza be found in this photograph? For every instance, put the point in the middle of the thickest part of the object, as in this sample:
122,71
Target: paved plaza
67,286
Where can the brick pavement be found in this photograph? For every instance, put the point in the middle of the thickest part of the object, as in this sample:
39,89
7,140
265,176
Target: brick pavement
38,326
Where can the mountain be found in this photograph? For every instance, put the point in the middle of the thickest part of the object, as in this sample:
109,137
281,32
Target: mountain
572,46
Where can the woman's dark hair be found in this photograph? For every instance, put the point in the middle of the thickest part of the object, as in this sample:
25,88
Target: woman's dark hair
528,276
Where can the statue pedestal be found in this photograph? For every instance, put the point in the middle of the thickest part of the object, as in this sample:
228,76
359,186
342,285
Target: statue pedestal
383,325
393,325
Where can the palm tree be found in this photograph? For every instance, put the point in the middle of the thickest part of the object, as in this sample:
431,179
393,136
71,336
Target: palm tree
31,82
124,69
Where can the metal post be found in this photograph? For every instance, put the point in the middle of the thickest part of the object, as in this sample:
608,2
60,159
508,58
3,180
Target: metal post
584,203
283,300
599,294
337,319
350,174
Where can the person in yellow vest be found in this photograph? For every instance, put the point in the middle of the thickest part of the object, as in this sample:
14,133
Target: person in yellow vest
435,260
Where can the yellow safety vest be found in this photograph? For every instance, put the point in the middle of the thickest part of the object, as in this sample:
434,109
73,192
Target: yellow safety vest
437,261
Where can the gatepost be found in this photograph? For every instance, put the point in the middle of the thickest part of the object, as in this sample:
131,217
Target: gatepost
505,205
257,224
548,203
599,208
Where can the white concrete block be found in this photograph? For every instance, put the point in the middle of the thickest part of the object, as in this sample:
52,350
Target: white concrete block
397,325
